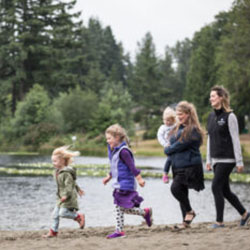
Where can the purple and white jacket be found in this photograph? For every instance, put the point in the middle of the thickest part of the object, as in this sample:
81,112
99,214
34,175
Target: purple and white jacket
123,170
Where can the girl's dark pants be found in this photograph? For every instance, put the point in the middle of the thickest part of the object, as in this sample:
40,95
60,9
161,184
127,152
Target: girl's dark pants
180,191
221,190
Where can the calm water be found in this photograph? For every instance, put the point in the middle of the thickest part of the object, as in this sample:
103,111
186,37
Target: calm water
27,203
8,160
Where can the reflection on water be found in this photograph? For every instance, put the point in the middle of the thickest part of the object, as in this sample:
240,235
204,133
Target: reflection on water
27,203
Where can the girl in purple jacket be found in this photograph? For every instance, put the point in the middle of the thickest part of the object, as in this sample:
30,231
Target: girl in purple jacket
124,175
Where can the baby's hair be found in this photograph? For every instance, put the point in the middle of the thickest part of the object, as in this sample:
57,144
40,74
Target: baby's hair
66,154
117,130
169,113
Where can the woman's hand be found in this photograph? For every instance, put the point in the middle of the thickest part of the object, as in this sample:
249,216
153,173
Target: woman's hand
240,169
208,167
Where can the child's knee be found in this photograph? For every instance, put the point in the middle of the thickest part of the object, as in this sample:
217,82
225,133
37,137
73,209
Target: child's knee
62,212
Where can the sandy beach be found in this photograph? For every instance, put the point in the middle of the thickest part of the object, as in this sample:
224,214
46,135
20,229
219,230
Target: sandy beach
200,236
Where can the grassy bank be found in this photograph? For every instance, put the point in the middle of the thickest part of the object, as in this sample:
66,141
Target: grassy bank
97,146
93,170
153,148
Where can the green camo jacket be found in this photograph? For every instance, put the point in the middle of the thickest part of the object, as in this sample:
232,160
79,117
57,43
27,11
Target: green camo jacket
66,186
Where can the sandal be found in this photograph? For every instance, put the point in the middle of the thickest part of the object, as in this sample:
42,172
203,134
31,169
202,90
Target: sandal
188,222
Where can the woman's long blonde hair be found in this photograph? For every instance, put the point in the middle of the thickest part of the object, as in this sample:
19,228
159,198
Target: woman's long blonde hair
117,130
224,94
192,121
66,154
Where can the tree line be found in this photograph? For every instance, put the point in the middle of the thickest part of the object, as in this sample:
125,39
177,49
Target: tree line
59,75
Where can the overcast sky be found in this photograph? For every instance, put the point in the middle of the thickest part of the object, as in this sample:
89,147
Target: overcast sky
167,20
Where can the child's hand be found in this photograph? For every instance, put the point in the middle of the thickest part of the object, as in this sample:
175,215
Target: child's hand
140,180
64,198
106,180
81,192
165,178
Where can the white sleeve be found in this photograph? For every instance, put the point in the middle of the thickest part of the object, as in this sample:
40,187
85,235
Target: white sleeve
161,136
208,160
234,132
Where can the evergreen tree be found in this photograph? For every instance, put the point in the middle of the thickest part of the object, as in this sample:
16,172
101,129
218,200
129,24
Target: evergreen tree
169,82
202,72
233,59
181,56
147,88
35,38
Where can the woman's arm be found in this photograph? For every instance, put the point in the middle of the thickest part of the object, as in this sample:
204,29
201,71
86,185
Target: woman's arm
234,132
182,145
208,157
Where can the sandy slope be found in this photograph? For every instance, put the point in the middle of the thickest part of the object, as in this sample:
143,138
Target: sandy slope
199,237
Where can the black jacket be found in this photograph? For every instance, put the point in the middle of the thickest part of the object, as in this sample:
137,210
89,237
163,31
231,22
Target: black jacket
221,145
184,153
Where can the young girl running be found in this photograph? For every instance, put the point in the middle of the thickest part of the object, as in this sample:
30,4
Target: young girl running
67,190
123,173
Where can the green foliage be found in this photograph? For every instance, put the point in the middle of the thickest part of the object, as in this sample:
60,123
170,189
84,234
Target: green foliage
34,109
233,59
148,86
181,55
91,83
77,109
202,71
154,124
39,133
115,107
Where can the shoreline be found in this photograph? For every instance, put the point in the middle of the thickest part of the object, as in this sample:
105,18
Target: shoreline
200,236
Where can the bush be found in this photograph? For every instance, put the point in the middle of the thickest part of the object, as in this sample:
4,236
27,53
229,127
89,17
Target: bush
154,124
39,133
33,110
77,110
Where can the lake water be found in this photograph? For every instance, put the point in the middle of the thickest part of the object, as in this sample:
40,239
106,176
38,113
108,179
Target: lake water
27,202
9,160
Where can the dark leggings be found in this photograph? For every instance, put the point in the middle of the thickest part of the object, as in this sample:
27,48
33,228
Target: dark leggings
180,192
221,190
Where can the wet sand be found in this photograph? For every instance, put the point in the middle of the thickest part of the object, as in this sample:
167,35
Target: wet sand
199,237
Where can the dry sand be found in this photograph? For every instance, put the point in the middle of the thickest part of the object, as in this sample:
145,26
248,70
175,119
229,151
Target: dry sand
199,237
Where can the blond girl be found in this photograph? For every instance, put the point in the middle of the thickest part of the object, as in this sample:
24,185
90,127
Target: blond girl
67,189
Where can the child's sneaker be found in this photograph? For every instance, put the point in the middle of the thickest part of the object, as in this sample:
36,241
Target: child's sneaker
148,216
165,178
81,220
50,234
116,234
